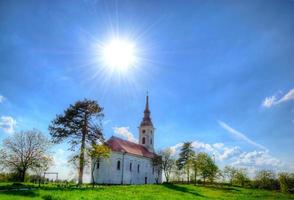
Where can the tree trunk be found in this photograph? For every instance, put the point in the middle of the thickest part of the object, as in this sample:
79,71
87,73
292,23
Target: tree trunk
22,175
195,177
92,173
188,173
82,159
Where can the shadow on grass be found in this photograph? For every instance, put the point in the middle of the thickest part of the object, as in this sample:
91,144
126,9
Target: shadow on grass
182,189
28,193
216,187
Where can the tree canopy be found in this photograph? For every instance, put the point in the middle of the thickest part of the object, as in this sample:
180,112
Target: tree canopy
81,126
25,150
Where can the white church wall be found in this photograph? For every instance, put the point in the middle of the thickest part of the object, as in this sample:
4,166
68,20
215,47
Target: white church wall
107,173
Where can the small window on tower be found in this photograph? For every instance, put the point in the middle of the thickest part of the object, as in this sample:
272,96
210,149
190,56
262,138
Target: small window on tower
143,140
143,131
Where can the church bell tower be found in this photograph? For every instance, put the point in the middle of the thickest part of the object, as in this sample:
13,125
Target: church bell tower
146,129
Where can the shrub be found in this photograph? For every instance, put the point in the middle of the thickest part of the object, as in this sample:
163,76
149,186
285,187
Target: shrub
286,181
265,179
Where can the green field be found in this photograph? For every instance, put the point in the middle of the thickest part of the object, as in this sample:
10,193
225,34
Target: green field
165,191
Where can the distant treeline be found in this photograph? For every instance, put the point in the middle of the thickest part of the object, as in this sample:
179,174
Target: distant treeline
200,168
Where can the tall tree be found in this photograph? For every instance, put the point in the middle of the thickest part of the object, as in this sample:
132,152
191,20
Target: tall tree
157,167
206,166
96,153
195,168
185,160
230,172
25,150
80,125
266,179
167,162
241,177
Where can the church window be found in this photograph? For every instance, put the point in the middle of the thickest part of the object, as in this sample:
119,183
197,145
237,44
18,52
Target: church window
118,165
151,141
98,164
138,168
143,131
130,166
143,140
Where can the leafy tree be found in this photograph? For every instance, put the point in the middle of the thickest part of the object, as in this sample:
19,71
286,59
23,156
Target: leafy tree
195,167
96,153
80,125
265,179
167,162
185,160
241,177
286,181
206,166
229,172
25,150
157,166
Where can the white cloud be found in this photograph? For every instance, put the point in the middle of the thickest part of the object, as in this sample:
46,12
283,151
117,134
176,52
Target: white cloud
273,100
60,165
229,152
218,145
226,155
239,135
260,159
200,146
7,123
124,131
269,101
174,149
2,98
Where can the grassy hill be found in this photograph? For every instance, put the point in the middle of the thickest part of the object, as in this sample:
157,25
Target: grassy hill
165,191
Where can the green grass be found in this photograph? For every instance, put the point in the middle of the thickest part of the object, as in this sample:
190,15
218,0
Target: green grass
165,191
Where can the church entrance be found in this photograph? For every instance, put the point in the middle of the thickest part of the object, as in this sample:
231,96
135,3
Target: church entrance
145,180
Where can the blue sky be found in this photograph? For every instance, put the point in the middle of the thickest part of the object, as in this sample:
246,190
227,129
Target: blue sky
219,73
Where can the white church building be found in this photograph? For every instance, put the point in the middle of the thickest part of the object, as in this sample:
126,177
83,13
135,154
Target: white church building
129,162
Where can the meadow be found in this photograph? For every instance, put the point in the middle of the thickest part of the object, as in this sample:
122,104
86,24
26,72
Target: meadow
164,191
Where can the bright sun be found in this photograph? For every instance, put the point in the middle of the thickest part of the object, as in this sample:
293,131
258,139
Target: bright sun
119,54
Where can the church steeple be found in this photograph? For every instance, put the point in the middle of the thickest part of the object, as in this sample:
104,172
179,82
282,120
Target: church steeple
146,129
147,119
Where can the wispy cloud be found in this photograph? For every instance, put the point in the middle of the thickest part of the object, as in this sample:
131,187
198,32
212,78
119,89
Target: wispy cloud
7,123
273,100
2,98
239,135
124,131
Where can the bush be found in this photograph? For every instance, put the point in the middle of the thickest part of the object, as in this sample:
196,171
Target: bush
265,179
286,182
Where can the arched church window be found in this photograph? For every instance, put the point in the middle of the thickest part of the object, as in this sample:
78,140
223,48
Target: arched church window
130,166
143,131
151,141
118,165
138,168
143,140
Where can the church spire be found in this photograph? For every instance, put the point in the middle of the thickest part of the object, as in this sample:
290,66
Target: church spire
147,119
147,103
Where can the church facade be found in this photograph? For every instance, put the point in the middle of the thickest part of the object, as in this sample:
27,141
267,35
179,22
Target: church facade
129,162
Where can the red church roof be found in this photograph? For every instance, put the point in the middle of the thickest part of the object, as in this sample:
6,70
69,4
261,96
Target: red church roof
120,145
